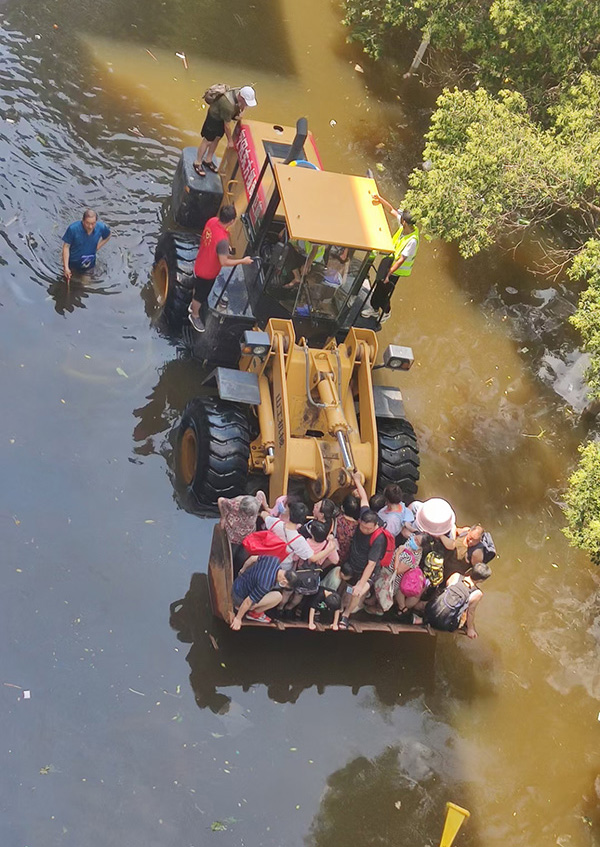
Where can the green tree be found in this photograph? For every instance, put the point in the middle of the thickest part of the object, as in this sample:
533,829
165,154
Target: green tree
492,170
582,508
586,268
528,44
524,155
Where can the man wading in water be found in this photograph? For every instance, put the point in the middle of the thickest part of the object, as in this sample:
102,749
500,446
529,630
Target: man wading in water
81,242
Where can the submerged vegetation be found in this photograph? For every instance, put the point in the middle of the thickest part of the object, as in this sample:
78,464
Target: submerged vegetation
515,146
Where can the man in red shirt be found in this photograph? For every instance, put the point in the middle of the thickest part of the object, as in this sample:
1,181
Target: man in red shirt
213,255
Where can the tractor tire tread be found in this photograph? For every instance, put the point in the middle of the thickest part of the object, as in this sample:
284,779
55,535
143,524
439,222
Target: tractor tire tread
223,448
398,455
178,251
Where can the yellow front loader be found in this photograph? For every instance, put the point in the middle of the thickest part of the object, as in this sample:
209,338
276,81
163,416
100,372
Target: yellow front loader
299,414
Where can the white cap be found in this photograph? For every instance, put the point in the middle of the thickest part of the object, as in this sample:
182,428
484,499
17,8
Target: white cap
249,95
435,516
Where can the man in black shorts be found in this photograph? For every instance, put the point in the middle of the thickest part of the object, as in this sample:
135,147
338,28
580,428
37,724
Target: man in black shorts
363,559
226,108
364,556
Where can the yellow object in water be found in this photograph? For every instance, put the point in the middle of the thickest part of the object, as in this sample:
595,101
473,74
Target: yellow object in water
455,817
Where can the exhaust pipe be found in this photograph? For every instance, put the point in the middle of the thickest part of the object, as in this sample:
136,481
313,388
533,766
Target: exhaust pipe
298,142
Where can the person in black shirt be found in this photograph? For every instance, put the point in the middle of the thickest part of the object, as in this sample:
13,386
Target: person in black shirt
324,603
364,557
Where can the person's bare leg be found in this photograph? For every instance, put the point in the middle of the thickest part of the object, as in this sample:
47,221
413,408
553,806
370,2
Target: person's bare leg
353,604
202,148
285,596
268,602
356,601
401,601
294,601
210,151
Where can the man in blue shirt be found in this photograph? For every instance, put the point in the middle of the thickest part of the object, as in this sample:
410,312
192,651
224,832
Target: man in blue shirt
259,589
81,242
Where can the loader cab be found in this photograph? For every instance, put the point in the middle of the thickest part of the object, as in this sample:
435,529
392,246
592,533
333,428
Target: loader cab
296,211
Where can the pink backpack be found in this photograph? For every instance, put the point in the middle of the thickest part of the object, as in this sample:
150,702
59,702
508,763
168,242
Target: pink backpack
412,582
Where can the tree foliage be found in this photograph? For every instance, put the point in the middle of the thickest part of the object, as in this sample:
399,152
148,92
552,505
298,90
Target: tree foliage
586,268
518,149
528,44
582,508
491,168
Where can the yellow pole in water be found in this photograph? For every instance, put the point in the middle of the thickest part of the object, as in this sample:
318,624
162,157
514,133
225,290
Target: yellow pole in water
455,817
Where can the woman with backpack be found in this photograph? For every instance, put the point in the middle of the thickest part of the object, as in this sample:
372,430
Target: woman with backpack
455,606
410,582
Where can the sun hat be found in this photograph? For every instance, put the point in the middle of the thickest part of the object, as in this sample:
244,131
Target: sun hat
249,95
435,516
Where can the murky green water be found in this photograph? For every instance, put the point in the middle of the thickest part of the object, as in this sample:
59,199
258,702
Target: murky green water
133,736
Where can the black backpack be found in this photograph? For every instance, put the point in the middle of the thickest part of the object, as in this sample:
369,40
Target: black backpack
445,611
309,580
486,545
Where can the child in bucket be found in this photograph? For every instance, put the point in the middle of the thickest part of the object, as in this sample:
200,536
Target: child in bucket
319,538
322,603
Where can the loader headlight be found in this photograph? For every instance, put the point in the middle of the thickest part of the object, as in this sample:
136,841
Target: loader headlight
255,344
398,358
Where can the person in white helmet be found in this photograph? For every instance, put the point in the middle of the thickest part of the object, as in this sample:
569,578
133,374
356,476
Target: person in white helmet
226,108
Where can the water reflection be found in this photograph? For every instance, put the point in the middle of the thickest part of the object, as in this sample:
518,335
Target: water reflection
397,797
396,668
184,25
69,297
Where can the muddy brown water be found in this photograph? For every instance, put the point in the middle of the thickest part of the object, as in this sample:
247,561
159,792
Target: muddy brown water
138,732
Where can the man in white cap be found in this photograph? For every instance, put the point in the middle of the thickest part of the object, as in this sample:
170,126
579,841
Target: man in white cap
226,108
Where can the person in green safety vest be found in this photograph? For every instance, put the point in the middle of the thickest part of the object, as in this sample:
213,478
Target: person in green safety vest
400,264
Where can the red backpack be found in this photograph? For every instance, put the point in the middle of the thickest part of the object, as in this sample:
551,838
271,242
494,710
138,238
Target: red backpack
264,542
390,546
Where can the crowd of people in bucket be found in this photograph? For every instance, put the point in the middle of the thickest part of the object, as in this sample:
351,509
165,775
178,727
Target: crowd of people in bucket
409,563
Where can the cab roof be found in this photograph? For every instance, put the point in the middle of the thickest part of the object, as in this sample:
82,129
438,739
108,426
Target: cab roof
332,208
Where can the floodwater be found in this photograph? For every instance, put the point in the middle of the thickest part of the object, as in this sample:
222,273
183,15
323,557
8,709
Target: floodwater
138,731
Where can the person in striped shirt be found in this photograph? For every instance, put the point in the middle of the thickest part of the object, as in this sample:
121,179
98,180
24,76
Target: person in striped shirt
259,589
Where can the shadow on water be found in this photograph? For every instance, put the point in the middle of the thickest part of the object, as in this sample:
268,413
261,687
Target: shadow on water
395,795
410,777
178,381
398,668
187,26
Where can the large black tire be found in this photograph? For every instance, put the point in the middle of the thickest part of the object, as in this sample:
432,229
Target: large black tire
213,447
173,275
398,456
